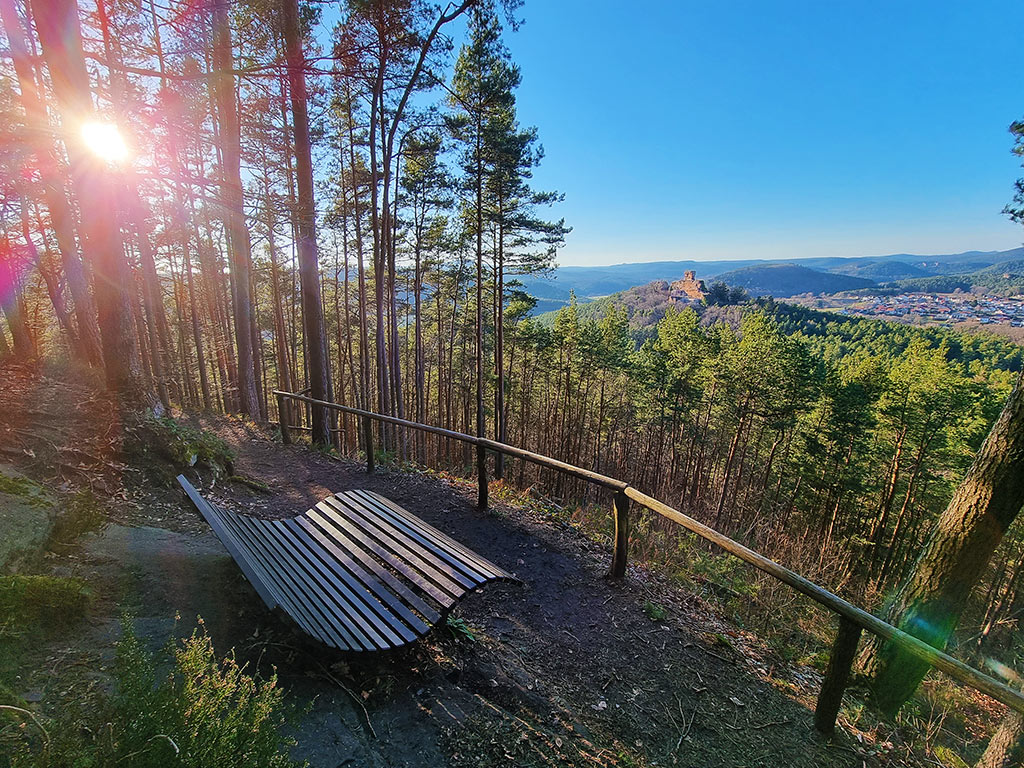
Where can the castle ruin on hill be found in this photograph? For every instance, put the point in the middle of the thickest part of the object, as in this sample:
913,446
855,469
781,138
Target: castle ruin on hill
688,289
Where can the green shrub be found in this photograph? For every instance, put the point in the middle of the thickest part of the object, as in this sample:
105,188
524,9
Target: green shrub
182,445
204,712
655,611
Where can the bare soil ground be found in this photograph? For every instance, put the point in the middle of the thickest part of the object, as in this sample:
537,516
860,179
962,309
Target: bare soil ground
565,668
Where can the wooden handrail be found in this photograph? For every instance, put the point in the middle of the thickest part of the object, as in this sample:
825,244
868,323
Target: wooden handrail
836,674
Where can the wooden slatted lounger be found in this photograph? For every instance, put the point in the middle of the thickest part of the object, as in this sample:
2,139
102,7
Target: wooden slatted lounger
356,572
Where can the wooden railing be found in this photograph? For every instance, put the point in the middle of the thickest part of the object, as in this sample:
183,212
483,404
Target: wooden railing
852,620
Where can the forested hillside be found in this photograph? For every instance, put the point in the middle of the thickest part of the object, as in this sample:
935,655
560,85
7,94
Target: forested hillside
781,280
1003,279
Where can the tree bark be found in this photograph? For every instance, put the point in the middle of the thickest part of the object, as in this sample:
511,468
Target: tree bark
1006,747
60,35
931,601
309,274
239,245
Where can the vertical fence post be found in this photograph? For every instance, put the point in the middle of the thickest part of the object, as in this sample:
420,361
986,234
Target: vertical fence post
837,674
282,420
620,547
481,477
368,444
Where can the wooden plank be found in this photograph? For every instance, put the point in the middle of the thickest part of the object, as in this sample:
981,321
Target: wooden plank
336,526
436,548
289,601
292,571
620,548
398,531
482,564
292,601
301,602
374,576
210,513
359,606
384,542
350,538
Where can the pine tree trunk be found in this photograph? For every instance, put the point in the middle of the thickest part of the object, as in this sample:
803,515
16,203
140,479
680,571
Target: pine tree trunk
1006,747
930,603
54,194
239,244
309,273
61,38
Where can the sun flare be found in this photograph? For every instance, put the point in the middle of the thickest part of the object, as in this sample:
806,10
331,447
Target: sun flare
105,141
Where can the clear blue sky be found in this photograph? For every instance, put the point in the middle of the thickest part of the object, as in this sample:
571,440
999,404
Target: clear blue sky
781,129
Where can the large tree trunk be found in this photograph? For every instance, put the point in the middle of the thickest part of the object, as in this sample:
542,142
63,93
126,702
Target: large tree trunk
309,273
60,35
231,193
930,603
1006,747
87,339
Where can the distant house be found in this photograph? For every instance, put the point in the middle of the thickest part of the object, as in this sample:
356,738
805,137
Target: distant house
687,289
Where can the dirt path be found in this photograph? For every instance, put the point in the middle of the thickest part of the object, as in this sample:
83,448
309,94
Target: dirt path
564,669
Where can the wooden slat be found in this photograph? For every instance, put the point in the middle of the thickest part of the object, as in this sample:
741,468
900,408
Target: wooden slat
354,600
356,572
337,527
397,529
317,625
328,516
309,592
480,564
415,557
378,579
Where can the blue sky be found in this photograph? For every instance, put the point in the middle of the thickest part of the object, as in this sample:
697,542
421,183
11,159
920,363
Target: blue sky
783,129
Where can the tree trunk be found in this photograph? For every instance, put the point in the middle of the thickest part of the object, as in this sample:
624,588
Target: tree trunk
930,603
60,35
309,273
54,193
1006,747
239,245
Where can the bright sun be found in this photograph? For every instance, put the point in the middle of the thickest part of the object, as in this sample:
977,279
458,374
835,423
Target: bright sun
105,141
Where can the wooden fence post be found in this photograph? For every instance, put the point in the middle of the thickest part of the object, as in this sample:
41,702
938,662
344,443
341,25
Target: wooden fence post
837,674
282,420
620,547
481,477
368,444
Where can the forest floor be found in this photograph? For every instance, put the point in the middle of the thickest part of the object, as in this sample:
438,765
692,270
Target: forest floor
566,668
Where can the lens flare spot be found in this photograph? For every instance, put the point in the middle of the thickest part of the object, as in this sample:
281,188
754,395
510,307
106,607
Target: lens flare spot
105,141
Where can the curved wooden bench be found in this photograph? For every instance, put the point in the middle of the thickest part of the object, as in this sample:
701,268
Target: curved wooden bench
356,572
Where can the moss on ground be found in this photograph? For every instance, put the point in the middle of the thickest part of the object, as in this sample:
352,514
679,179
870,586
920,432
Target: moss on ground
81,513
26,516
34,609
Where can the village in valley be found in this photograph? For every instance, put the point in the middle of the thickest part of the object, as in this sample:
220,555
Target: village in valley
943,308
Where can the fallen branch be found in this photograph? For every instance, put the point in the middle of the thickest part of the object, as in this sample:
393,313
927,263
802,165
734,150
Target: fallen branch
32,717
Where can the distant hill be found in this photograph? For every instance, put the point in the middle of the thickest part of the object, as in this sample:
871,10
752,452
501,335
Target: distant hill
594,282
589,283
1003,279
881,271
782,280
